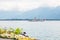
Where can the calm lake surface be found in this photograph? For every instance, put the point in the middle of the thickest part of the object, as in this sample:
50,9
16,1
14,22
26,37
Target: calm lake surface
47,30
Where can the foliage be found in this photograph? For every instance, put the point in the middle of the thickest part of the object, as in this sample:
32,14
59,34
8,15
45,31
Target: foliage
18,31
12,30
2,31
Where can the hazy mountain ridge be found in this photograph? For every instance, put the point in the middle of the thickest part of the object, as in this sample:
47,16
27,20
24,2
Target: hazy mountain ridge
46,12
42,12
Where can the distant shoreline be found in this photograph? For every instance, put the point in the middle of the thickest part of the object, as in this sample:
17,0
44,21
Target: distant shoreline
29,20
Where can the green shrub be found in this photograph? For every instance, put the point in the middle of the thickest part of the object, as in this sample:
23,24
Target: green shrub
18,31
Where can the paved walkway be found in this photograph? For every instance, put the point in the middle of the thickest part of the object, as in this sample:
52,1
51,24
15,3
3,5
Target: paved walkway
5,39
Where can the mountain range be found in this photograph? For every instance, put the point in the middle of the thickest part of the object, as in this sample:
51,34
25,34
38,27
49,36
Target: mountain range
39,13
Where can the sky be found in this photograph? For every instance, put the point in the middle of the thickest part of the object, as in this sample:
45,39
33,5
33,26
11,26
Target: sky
26,5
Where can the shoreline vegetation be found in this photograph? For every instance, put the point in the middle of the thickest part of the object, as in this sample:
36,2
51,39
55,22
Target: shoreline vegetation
14,34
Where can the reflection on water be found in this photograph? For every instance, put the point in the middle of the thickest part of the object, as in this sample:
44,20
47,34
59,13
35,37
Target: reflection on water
47,30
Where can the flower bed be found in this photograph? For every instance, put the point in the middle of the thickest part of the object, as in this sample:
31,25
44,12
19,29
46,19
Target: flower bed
13,34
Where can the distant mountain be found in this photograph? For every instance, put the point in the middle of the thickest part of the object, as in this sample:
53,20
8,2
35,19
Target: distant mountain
41,12
44,13
9,14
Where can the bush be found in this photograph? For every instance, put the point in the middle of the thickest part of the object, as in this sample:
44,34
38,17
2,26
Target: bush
18,31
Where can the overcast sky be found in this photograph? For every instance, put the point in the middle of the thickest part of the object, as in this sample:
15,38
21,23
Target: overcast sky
25,5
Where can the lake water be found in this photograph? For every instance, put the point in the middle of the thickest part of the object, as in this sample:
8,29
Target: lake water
47,30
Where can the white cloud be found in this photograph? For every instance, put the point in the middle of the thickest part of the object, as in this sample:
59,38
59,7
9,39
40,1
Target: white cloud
25,5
